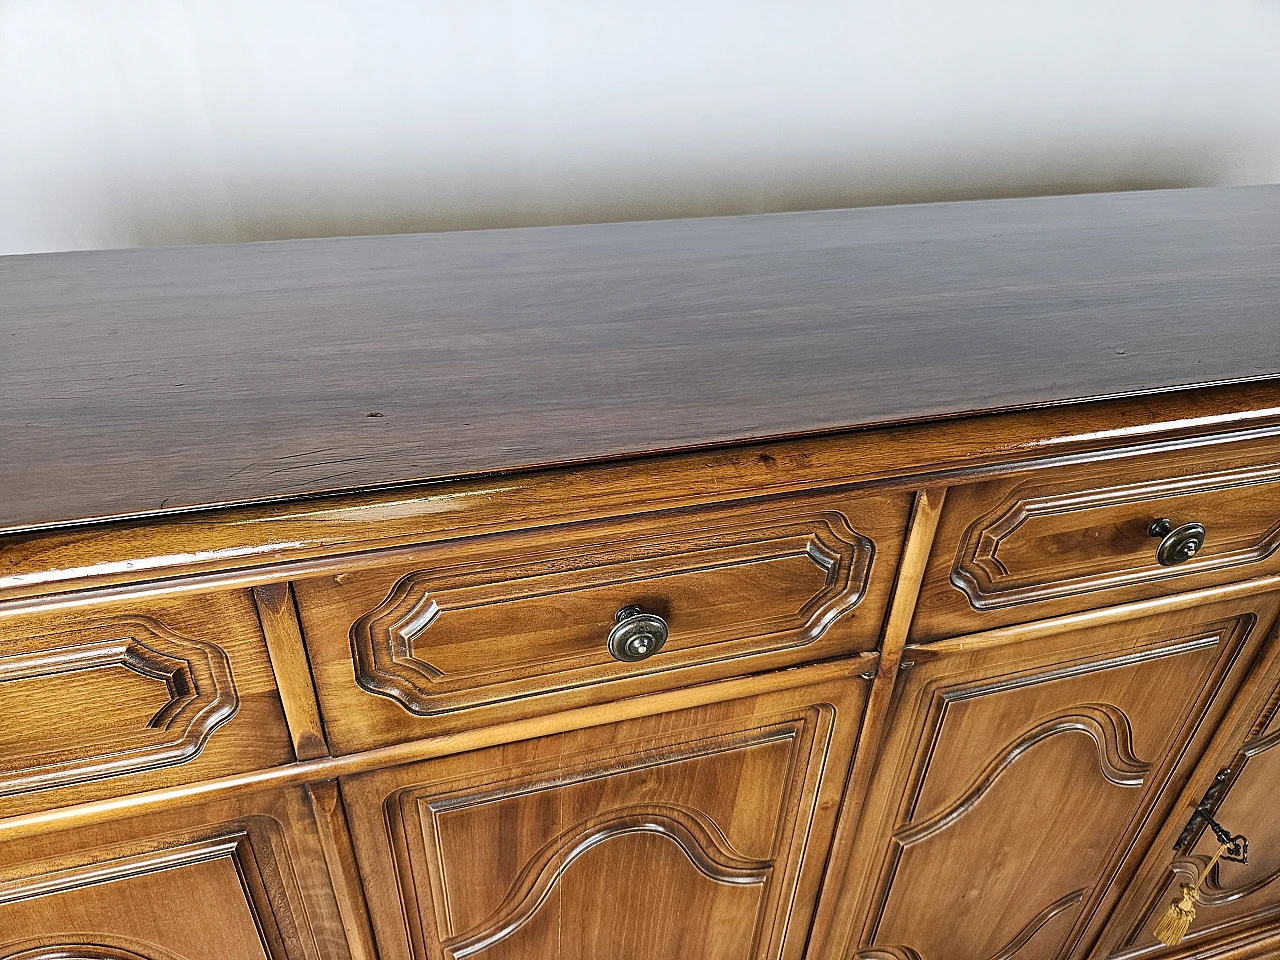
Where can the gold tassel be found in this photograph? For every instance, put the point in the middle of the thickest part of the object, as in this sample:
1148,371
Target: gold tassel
1175,923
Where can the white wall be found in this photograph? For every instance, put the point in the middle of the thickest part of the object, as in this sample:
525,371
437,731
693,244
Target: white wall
128,122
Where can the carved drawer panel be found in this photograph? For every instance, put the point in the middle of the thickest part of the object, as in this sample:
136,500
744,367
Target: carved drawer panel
234,880
403,644
1077,536
701,833
116,697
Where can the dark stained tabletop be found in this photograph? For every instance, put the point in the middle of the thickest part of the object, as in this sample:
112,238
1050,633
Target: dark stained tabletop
139,380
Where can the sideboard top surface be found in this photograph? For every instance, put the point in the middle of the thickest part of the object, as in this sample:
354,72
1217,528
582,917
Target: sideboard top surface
135,381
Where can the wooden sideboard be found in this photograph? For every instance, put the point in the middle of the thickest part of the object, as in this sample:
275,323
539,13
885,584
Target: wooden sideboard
893,584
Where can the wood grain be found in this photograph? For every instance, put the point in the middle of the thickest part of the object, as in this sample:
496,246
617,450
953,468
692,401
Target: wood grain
335,840
1240,905
831,923
240,878
231,538
700,834
145,380
114,698
279,617
454,636
515,729
1015,778
876,731
1074,537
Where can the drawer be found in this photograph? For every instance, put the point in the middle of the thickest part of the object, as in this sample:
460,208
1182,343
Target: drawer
102,699
405,642
1067,538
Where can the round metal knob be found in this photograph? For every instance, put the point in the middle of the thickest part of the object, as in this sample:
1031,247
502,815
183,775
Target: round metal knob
1177,544
636,635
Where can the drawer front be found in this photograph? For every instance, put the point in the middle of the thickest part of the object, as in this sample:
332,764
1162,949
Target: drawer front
117,697
404,643
1068,538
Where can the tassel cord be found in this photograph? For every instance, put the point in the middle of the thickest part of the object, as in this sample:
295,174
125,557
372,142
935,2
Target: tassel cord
1204,874
1176,921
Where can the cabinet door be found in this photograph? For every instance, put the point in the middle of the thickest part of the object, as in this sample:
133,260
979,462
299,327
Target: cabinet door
697,834
231,880
1019,770
1239,910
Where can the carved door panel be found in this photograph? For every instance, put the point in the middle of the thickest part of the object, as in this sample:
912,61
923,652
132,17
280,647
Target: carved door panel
699,834
231,880
1239,903
1019,772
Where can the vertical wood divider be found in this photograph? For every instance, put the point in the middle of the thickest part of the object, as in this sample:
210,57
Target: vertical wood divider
280,626
832,921
339,855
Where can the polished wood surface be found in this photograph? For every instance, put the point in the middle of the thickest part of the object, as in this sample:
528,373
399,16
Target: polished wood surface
144,380
1077,535
233,880
927,692
834,919
235,539
334,834
279,617
103,699
1240,909
693,834
511,729
401,649
1015,776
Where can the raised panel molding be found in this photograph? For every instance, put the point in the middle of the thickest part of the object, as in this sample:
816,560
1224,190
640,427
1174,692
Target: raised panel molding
962,833
1008,952
252,858
1038,923
200,696
1104,724
697,838
1106,727
115,950
643,812
990,582
1215,891
64,879
391,644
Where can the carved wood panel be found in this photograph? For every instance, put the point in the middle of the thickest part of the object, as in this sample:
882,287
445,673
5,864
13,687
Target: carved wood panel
1238,902
119,697
101,698
1046,542
237,879
498,620
87,951
701,833
1017,774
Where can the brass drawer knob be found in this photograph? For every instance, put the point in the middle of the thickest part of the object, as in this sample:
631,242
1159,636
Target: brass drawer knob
636,635
1177,544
